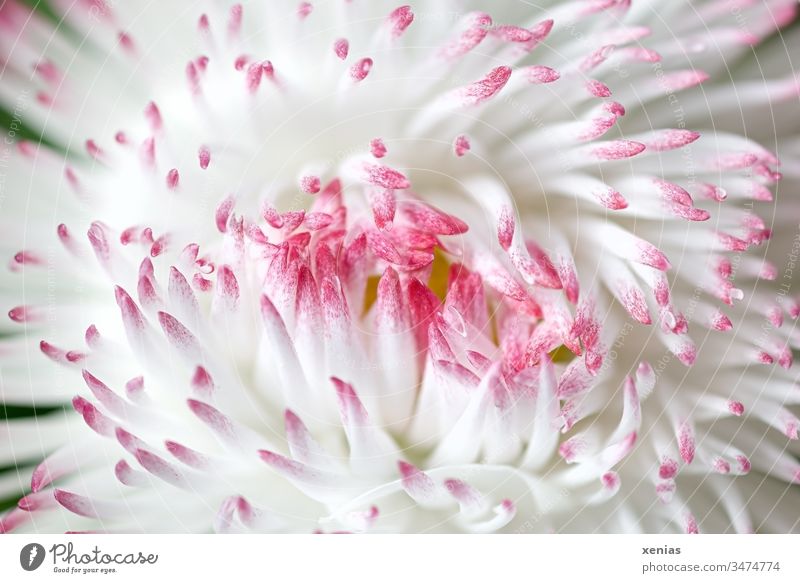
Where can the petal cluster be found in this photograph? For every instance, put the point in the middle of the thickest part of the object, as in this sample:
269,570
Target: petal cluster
360,267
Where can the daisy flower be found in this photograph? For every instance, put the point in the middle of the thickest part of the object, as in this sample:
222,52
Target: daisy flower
451,266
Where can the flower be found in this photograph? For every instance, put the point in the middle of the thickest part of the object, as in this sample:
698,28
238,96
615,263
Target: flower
352,266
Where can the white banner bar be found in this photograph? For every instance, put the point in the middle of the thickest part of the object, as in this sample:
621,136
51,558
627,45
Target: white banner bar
398,558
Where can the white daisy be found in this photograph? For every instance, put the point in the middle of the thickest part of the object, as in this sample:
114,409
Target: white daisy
353,266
